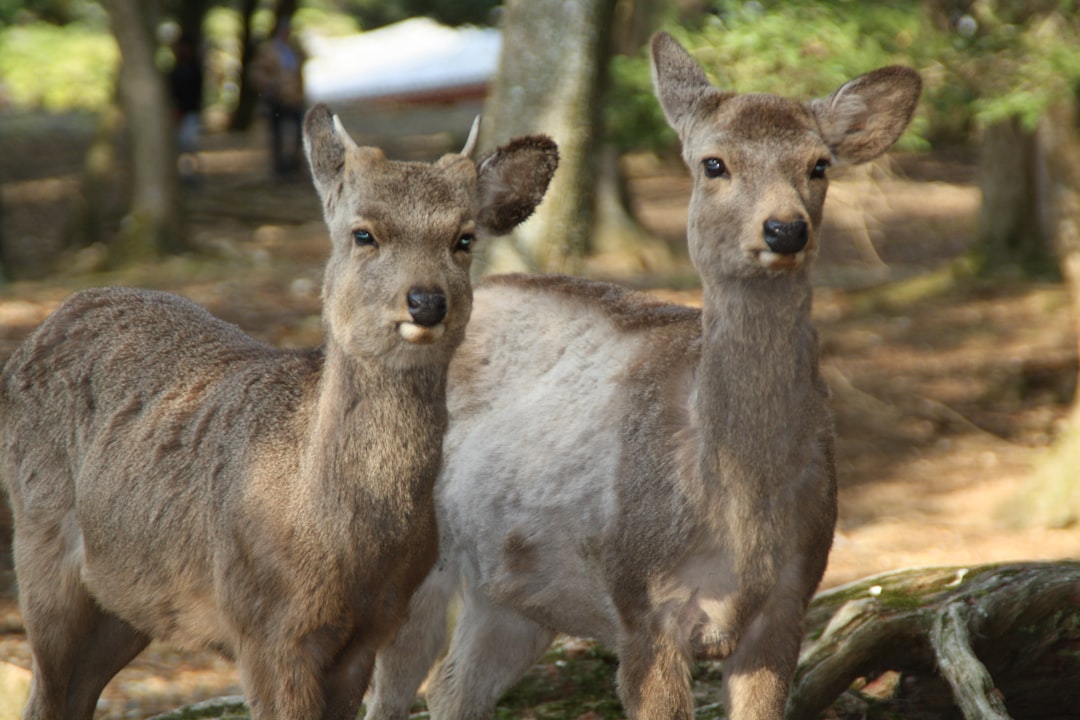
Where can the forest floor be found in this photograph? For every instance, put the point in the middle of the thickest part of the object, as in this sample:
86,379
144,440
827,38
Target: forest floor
947,394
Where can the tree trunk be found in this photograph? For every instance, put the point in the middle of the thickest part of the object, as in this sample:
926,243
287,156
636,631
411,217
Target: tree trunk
1013,233
3,275
1054,497
96,208
152,225
551,75
980,643
248,100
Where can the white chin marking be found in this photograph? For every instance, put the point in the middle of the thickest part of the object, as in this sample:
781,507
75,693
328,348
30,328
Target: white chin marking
419,334
773,260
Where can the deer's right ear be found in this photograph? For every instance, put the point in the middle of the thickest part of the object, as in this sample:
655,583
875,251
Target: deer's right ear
680,82
325,143
512,181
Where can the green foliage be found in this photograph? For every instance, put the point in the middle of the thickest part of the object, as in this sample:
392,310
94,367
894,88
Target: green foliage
1020,64
796,48
57,68
59,12
977,70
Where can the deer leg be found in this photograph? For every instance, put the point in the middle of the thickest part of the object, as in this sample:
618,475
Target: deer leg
402,666
280,680
491,649
77,647
104,652
347,681
654,678
758,673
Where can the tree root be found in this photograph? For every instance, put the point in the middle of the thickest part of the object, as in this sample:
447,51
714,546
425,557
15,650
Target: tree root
1005,639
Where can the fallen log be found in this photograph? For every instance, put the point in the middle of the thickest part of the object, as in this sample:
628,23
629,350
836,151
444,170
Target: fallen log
1003,640
988,642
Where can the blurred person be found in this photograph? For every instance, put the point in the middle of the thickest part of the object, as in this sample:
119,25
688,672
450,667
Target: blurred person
186,89
277,76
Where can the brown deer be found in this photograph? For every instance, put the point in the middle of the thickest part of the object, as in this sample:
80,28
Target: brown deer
171,477
646,474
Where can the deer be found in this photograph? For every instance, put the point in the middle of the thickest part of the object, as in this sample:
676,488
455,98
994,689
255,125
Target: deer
173,478
656,477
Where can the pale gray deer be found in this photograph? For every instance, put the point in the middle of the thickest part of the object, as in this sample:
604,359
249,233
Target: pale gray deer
647,474
171,477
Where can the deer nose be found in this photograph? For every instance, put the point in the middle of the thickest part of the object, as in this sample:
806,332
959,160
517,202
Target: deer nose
786,238
427,307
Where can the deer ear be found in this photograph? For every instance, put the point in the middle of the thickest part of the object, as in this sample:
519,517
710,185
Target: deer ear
867,115
325,144
512,181
680,83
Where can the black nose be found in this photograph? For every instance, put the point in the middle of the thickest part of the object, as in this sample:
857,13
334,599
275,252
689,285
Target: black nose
427,307
786,238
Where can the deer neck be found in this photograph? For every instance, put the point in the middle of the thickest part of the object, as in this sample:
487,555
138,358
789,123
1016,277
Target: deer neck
375,431
758,395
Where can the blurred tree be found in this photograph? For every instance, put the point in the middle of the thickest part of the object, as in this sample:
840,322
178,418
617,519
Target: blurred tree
152,225
1055,497
550,80
1022,63
3,276
1023,59
247,99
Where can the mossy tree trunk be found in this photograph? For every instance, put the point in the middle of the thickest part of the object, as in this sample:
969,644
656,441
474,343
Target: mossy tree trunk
152,225
551,76
981,643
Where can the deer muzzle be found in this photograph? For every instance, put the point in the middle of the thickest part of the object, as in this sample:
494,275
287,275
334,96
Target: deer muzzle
427,308
786,243
786,238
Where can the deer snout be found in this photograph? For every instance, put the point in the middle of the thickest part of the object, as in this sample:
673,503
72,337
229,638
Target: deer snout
786,238
427,307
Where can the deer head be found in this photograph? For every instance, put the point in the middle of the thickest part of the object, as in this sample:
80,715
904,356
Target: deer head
760,162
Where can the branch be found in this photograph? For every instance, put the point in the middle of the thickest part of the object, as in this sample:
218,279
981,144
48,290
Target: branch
971,683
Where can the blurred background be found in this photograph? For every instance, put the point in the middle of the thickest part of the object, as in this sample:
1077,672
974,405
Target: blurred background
154,143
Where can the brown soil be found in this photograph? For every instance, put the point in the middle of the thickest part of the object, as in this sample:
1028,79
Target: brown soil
946,395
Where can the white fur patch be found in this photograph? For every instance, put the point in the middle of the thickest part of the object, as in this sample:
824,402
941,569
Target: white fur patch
773,260
419,334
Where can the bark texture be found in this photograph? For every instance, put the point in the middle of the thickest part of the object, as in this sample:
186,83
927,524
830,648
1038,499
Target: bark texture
1002,639
551,75
152,225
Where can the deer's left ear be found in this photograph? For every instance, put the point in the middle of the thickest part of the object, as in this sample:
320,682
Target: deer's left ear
681,86
865,116
512,181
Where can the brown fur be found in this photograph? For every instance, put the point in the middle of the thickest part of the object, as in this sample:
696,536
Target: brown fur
173,478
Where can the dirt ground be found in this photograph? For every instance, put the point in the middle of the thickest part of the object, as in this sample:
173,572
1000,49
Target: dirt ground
946,396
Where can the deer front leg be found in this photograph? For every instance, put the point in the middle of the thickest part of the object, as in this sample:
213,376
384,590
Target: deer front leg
654,677
281,681
348,679
758,673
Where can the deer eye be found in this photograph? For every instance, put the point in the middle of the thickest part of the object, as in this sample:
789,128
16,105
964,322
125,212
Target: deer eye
465,242
714,168
818,172
363,238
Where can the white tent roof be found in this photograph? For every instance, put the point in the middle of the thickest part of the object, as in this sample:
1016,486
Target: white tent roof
415,56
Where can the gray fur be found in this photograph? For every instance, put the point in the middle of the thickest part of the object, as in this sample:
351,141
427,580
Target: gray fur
173,478
654,477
